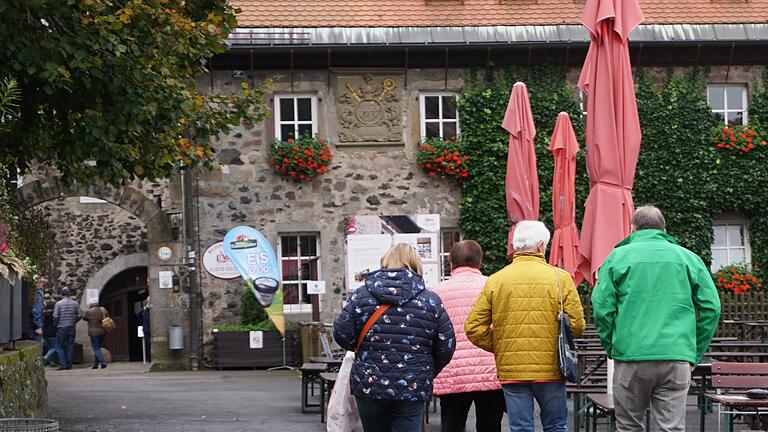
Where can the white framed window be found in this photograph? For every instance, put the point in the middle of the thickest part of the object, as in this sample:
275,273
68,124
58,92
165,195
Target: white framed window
448,237
439,115
300,262
730,244
295,115
729,102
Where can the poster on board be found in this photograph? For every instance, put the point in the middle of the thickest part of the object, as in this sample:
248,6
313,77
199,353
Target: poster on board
370,236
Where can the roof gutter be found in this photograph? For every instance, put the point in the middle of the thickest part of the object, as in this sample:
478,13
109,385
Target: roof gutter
567,34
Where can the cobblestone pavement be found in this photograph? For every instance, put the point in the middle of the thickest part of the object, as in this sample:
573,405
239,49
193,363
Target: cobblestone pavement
126,398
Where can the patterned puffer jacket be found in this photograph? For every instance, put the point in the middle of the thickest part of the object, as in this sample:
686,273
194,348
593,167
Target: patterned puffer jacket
407,346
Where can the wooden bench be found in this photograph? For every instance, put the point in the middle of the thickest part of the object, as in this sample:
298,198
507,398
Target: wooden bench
310,375
601,405
728,376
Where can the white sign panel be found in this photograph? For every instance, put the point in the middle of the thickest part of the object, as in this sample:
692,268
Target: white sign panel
256,339
91,296
166,279
370,236
140,331
315,287
364,252
217,263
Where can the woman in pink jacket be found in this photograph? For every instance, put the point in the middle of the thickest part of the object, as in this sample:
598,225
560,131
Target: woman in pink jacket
471,374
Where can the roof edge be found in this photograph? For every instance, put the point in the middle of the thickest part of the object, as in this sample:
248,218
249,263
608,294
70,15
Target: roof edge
525,34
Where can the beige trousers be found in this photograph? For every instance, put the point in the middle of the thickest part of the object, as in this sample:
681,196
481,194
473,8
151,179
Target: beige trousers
662,385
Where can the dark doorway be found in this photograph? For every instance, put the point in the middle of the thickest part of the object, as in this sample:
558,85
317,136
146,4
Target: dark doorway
123,296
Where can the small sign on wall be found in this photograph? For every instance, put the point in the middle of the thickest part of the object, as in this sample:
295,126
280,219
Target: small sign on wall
315,287
166,279
256,339
91,296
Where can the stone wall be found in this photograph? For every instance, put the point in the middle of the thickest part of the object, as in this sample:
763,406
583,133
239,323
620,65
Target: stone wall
23,388
88,236
381,179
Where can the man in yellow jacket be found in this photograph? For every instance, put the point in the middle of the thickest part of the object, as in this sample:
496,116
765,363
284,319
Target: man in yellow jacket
515,318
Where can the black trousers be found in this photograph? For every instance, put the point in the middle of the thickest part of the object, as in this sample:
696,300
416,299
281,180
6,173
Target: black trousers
489,409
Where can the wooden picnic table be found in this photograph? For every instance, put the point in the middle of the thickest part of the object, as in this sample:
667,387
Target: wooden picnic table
743,346
749,327
333,363
737,356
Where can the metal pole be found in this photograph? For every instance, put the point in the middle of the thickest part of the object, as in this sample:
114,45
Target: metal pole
187,182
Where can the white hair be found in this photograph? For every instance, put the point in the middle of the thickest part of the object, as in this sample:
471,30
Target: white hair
528,234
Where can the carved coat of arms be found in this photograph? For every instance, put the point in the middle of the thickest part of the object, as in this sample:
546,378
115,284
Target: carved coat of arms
369,109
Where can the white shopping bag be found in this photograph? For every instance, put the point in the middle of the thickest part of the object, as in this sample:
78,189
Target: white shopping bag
342,408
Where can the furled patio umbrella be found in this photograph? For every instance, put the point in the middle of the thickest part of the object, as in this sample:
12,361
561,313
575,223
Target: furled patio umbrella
613,129
564,252
522,180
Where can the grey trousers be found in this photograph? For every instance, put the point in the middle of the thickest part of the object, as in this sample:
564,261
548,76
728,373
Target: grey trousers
661,384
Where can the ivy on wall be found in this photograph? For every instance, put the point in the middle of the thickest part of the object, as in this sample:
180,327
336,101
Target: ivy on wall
679,169
482,105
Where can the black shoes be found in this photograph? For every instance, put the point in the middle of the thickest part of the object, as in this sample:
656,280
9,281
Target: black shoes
95,366
63,368
103,365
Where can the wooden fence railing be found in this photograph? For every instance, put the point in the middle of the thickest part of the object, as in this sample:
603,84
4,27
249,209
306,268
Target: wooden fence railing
750,306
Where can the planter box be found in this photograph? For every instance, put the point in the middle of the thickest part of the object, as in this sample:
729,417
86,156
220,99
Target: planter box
232,350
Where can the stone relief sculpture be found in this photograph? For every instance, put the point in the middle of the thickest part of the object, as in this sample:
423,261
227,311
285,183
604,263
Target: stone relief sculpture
369,108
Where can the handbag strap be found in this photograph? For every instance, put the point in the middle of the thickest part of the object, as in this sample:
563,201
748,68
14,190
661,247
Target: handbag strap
371,321
559,288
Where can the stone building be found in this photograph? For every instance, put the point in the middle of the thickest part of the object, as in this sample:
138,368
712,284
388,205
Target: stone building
372,78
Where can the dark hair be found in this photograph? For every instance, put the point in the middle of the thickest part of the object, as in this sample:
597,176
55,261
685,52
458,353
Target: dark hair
466,253
648,217
65,292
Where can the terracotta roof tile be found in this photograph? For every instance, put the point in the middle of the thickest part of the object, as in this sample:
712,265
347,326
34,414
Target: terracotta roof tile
441,13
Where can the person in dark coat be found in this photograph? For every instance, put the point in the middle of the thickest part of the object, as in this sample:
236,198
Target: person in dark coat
49,333
94,315
143,319
405,349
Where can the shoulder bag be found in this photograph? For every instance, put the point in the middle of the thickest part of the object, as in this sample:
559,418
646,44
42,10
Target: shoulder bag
107,323
566,349
342,408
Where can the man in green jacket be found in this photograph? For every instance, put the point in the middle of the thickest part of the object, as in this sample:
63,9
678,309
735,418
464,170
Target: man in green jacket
646,300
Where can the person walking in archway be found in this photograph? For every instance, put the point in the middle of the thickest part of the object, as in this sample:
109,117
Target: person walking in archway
66,314
95,315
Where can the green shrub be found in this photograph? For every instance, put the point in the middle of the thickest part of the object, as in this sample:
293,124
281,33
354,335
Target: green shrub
251,311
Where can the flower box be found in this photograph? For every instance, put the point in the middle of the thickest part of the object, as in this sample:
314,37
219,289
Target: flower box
232,350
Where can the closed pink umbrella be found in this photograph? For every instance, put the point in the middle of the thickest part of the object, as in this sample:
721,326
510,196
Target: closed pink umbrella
522,180
564,252
613,129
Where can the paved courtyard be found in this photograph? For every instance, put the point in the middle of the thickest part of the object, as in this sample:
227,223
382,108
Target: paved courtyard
125,398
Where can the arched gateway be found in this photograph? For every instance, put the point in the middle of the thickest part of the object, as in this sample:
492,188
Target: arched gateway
169,305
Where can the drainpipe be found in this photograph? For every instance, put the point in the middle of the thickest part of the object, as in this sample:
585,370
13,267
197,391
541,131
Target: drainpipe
188,180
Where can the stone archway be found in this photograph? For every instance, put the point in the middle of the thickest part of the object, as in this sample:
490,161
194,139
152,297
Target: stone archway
168,309
128,198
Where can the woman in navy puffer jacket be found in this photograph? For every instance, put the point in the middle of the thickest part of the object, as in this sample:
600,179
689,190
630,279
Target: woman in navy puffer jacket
404,350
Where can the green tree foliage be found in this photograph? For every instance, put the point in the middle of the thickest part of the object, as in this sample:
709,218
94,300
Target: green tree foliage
679,168
9,102
483,103
108,87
